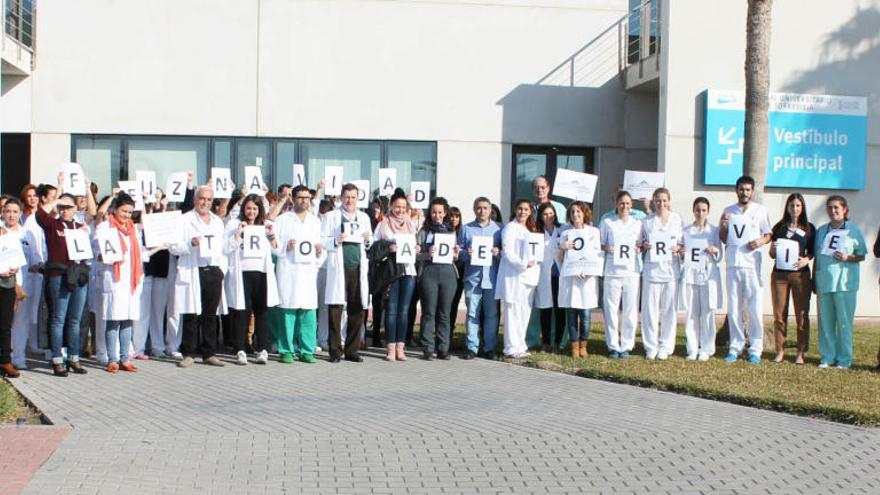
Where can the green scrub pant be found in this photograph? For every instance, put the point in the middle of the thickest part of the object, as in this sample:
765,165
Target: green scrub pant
299,332
836,312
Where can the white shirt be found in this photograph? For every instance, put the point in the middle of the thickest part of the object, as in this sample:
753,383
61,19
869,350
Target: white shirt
653,229
758,225
700,275
614,231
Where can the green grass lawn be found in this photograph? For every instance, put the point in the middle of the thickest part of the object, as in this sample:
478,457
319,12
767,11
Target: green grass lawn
847,396
10,404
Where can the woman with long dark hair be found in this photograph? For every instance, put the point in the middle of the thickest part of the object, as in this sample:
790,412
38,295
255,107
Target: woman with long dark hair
547,291
517,278
798,282
620,234
437,282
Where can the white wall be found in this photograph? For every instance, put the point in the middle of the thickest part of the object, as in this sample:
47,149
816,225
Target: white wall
817,47
15,104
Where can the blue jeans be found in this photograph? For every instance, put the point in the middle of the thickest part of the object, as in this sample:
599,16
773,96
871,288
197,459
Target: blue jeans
397,308
118,329
481,308
67,308
577,330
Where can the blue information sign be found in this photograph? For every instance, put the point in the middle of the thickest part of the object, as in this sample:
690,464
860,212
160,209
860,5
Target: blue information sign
816,141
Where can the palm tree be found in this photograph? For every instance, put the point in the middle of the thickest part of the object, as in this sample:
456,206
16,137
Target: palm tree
757,69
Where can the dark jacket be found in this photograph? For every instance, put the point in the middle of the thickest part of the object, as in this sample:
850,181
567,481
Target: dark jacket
384,269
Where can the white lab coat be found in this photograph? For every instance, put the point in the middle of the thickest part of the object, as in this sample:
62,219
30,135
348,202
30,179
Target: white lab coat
187,287
33,282
331,227
114,298
579,293
233,282
514,275
544,290
297,282
709,275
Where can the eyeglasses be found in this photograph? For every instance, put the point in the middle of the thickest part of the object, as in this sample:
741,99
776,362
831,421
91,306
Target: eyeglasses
303,197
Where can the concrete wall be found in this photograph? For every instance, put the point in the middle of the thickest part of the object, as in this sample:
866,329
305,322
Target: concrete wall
817,47
461,73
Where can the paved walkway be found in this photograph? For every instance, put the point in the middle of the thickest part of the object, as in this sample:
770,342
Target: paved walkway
418,427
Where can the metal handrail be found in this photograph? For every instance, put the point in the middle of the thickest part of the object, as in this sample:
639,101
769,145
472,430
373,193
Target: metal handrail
18,21
642,30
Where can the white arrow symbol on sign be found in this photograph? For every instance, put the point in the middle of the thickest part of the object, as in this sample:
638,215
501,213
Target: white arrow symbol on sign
724,137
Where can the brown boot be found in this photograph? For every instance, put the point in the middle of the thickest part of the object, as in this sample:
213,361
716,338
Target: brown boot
583,348
575,349
401,351
9,370
390,350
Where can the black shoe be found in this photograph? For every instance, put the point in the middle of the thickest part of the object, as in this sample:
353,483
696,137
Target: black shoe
354,359
444,356
469,355
334,358
59,370
490,355
428,356
376,343
76,368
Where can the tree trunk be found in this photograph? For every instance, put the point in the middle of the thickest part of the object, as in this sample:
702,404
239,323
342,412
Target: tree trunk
757,70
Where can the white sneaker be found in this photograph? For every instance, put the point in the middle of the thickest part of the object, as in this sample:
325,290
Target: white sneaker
842,367
176,355
662,356
691,357
823,366
650,357
263,357
318,348
242,358
703,357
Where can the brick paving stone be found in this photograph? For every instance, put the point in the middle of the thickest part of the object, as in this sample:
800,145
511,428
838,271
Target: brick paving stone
416,427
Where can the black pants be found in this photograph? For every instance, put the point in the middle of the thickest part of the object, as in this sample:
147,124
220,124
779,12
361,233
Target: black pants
453,310
254,302
437,283
555,315
200,331
355,310
378,309
7,313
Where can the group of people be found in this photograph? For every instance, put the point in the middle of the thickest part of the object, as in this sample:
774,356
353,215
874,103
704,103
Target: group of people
327,262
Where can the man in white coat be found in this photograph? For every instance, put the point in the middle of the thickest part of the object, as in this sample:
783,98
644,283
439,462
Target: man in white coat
198,289
744,229
300,254
346,235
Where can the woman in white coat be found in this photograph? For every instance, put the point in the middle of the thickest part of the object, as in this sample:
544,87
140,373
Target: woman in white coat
578,288
23,319
250,283
517,278
10,304
547,291
300,256
620,241
661,233
700,288
346,234
119,284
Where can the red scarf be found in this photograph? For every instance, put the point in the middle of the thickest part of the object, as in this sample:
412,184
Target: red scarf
137,267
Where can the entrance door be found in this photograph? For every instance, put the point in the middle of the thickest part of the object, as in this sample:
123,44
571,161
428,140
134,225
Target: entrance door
532,161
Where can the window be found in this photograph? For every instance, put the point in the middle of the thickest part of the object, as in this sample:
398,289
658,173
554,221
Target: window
532,161
108,159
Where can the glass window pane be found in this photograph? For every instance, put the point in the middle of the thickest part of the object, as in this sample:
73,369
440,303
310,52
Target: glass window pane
528,166
578,163
251,152
285,157
222,153
167,155
101,160
358,159
413,161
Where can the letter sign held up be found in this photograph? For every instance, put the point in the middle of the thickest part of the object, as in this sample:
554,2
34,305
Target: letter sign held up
387,181
109,245
221,181
406,248
304,251
253,178
175,187
253,241
444,245
535,251
299,174
332,180
363,192
78,245
835,240
421,193
74,179
481,247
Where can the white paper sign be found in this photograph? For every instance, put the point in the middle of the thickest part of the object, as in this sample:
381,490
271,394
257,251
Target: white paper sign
11,253
333,180
421,192
304,250
642,184
535,247
74,179
444,246
78,245
146,180
585,257
575,185
109,245
299,174
387,181
175,186
132,188
253,179
695,252
787,252
253,241
662,245
221,182
363,192
834,241
481,250
406,248
162,228
210,246
353,232
739,230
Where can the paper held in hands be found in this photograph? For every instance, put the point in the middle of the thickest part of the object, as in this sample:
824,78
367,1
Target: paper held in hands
481,250
162,228
444,248
739,231
695,253
109,245
836,240
642,184
406,248
78,245
11,253
575,185
787,252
